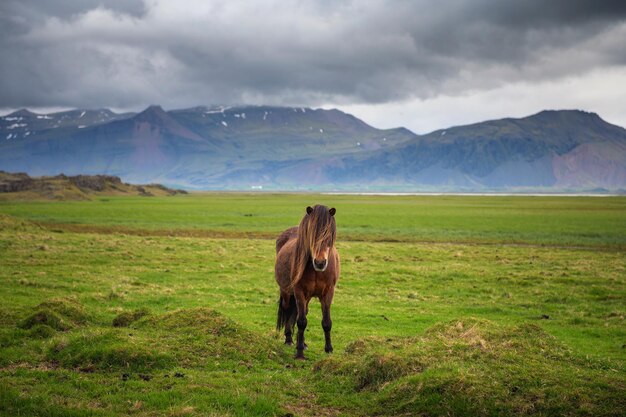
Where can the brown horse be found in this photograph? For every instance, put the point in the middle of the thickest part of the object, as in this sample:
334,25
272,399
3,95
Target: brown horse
307,266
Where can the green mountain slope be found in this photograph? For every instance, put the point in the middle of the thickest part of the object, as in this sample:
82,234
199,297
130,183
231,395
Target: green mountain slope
505,153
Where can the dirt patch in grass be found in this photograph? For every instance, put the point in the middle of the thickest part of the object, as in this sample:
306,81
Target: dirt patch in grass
132,231
345,236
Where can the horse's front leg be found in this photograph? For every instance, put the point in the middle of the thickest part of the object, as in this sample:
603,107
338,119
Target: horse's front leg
327,323
301,303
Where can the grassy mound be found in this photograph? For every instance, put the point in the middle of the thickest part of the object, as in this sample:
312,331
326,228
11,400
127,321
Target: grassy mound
70,309
59,314
474,367
189,338
45,317
41,331
201,319
107,351
201,336
126,318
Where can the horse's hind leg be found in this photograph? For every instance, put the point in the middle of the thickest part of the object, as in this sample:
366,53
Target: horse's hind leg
289,307
301,321
291,321
327,323
289,330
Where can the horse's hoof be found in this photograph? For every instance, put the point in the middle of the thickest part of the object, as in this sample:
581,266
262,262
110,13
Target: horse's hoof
300,357
289,342
328,350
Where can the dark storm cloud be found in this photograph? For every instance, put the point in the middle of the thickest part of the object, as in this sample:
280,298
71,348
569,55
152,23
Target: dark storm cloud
128,54
537,13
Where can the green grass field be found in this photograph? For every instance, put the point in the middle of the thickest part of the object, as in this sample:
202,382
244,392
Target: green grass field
446,306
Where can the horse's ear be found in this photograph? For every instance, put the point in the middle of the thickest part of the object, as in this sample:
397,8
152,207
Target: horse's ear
309,210
332,211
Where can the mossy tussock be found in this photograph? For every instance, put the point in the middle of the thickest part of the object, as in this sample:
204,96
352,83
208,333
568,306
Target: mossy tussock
201,319
126,318
107,351
475,367
60,314
202,336
41,331
141,342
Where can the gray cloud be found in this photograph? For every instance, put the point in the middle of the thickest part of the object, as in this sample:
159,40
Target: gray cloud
128,54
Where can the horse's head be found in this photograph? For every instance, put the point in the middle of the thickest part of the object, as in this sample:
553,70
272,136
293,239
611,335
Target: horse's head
318,230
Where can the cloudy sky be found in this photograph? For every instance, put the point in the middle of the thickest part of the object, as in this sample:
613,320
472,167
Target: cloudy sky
422,64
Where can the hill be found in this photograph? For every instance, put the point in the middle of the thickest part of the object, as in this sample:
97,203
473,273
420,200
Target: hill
301,148
21,186
552,149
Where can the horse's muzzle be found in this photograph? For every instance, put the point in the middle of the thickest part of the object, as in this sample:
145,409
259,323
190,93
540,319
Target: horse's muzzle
320,266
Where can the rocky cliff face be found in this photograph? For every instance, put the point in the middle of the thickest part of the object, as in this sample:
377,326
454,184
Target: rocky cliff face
13,183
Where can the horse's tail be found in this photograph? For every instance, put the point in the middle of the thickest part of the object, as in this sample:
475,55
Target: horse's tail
285,314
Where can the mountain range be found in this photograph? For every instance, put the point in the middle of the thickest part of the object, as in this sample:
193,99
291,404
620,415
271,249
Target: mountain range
288,148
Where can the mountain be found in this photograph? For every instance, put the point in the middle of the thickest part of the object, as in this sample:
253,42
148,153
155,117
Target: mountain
303,148
552,149
200,147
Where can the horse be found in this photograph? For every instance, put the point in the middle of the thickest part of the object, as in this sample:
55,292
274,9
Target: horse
307,266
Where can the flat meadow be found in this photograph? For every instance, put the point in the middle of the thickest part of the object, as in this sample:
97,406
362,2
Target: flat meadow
446,305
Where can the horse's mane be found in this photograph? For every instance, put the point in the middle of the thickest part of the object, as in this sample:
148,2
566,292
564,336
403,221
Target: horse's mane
316,228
